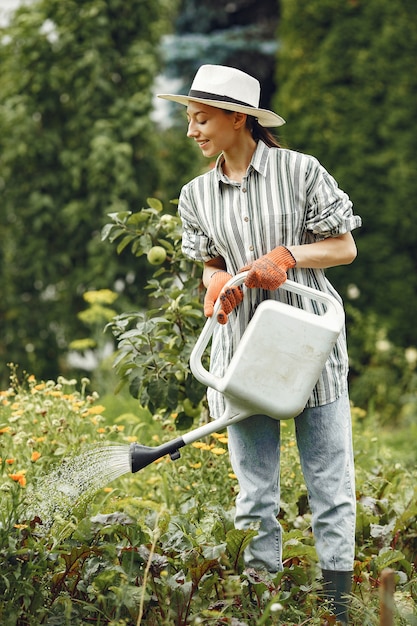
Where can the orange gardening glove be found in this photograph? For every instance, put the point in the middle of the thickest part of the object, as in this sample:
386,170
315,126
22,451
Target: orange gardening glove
270,270
230,299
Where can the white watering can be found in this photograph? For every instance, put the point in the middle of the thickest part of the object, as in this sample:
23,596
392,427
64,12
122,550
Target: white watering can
273,370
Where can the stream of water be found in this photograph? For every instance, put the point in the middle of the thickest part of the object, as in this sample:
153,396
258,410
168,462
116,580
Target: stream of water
76,480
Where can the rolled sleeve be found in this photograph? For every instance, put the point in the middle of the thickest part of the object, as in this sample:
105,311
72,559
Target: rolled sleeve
330,211
196,245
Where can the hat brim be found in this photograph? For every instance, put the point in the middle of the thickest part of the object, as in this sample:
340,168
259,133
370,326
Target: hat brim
264,117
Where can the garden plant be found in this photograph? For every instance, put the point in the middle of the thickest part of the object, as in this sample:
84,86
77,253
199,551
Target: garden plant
159,548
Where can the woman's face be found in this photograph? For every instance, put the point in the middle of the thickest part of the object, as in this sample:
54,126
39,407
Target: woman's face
211,128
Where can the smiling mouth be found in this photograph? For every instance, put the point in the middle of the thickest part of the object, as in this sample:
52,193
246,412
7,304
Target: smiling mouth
202,143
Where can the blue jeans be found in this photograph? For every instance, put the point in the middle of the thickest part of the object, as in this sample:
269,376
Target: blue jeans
324,439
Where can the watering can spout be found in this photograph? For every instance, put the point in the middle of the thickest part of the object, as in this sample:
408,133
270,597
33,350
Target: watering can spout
141,456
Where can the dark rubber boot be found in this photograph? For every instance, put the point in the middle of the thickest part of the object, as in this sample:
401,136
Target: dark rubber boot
337,587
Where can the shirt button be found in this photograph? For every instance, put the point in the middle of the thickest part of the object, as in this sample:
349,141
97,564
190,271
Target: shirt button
246,219
244,189
251,248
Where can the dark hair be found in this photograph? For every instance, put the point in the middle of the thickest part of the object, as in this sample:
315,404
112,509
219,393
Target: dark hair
261,133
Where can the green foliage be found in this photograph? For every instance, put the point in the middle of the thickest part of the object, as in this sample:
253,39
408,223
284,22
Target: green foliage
347,93
162,548
76,138
154,346
383,376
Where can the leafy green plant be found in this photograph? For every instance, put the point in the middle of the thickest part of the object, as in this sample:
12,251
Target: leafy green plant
383,378
160,548
154,346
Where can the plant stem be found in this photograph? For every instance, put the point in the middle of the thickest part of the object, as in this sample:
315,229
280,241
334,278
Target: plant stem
147,568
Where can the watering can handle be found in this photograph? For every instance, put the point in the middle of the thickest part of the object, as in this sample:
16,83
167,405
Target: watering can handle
334,308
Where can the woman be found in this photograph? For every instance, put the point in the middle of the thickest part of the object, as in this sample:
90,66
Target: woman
275,213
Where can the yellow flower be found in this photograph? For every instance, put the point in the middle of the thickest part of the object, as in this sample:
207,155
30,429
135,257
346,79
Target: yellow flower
221,437
231,475
35,456
100,296
201,445
195,465
96,410
5,429
108,489
218,451
101,430
21,526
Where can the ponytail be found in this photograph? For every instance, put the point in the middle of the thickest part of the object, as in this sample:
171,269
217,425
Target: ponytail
261,133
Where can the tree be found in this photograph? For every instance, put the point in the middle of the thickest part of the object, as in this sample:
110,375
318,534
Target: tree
349,96
76,142
241,34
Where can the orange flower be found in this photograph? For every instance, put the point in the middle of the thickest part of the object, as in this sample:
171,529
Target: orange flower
35,456
9,461
19,477
5,429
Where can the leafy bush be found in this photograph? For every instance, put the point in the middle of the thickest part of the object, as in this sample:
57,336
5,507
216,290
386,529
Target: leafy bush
154,346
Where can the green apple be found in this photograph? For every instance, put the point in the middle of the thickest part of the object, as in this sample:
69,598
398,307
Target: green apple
156,255
168,222
191,409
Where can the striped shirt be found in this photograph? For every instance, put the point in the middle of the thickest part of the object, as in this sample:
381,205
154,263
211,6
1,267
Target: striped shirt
286,198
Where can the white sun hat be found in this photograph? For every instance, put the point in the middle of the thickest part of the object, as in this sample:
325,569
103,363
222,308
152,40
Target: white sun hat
227,88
